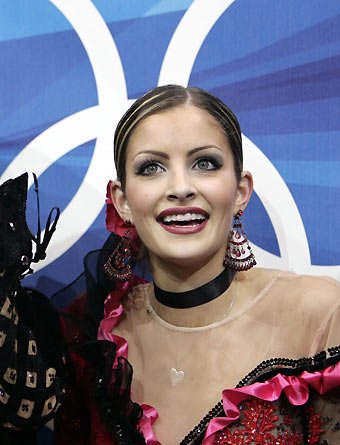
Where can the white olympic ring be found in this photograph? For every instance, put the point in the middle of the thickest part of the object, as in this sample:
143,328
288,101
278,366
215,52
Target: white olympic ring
99,121
94,123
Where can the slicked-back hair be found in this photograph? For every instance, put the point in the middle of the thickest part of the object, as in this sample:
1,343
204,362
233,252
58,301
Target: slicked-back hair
168,97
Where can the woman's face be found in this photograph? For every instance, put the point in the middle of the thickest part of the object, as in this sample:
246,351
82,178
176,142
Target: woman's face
181,189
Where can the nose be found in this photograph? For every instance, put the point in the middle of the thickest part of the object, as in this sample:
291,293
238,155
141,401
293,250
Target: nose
181,188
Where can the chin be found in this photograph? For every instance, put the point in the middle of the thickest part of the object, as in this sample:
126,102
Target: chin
187,257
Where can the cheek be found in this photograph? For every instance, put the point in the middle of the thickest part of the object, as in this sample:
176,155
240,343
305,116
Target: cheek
141,203
222,195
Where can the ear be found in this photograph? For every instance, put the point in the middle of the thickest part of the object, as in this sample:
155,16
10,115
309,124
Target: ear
120,202
244,191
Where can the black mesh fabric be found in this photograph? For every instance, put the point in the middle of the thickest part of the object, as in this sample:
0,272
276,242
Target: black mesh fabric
52,365
38,347
108,387
31,355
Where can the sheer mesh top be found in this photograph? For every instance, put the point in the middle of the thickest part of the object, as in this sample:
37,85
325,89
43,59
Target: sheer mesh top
291,316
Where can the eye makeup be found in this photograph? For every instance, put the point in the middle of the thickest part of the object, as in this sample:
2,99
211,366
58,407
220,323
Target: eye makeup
148,167
207,163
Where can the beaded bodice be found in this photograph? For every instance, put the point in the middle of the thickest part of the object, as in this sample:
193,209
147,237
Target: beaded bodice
280,422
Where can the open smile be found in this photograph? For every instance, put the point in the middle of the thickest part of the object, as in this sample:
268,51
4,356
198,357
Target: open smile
183,220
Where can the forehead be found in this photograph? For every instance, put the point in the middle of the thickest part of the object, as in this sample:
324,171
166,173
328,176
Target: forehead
186,126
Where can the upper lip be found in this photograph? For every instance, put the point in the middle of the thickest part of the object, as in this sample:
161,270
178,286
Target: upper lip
182,211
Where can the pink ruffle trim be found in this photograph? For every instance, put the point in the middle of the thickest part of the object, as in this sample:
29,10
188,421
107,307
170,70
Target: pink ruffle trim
145,424
296,389
113,310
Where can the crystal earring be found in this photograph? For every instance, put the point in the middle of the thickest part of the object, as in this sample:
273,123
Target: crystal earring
117,267
239,255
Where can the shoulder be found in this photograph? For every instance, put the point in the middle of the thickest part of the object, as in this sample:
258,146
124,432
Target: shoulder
319,293
308,286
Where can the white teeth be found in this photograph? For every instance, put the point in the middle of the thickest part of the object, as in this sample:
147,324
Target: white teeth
185,217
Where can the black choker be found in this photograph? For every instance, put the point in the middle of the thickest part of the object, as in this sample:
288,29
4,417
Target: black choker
196,297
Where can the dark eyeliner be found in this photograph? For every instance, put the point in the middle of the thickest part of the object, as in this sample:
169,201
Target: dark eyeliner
141,167
215,162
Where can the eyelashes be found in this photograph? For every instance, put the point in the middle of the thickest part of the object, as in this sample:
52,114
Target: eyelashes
151,167
148,167
208,163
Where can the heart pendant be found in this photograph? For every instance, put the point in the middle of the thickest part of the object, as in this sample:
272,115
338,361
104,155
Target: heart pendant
176,376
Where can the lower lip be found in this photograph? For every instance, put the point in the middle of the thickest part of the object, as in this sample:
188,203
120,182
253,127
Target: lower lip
184,230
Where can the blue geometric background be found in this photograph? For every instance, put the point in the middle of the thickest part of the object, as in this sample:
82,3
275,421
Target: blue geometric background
275,63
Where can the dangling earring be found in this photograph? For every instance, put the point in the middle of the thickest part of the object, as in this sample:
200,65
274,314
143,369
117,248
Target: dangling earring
117,267
239,255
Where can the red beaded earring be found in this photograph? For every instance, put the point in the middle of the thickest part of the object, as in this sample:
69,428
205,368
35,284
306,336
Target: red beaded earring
239,255
117,267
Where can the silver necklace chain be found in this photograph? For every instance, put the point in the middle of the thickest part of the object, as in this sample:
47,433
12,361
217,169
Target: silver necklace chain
176,373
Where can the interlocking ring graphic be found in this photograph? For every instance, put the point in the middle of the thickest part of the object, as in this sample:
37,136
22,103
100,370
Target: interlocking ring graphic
98,123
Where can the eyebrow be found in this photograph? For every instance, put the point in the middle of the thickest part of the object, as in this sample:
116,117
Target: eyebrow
166,156
203,147
152,152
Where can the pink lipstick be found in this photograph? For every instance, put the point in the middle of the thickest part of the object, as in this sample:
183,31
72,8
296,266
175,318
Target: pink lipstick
183,220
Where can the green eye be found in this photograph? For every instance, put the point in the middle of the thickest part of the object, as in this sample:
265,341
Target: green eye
207,164
149,168
203,164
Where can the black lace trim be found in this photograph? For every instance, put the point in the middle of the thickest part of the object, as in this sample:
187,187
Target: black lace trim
31,351
264,371
110,385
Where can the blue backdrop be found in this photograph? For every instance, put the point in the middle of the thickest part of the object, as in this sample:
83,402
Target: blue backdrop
70,68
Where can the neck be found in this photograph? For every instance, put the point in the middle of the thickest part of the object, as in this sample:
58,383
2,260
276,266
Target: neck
197,316
179,279
198,296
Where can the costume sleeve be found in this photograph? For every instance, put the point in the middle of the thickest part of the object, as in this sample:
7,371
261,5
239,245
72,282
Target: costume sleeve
31,360
328,334
332,334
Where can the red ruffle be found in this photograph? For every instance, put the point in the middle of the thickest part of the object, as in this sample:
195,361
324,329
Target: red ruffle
296,388
113,310
114,222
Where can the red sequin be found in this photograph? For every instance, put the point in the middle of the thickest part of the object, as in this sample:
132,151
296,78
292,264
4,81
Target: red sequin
314,424
258,424
288,420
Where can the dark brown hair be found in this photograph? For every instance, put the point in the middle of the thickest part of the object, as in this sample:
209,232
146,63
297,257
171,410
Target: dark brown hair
171,96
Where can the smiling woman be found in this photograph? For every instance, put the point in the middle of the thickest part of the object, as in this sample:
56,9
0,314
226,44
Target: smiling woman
182,190
178,163
207,327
